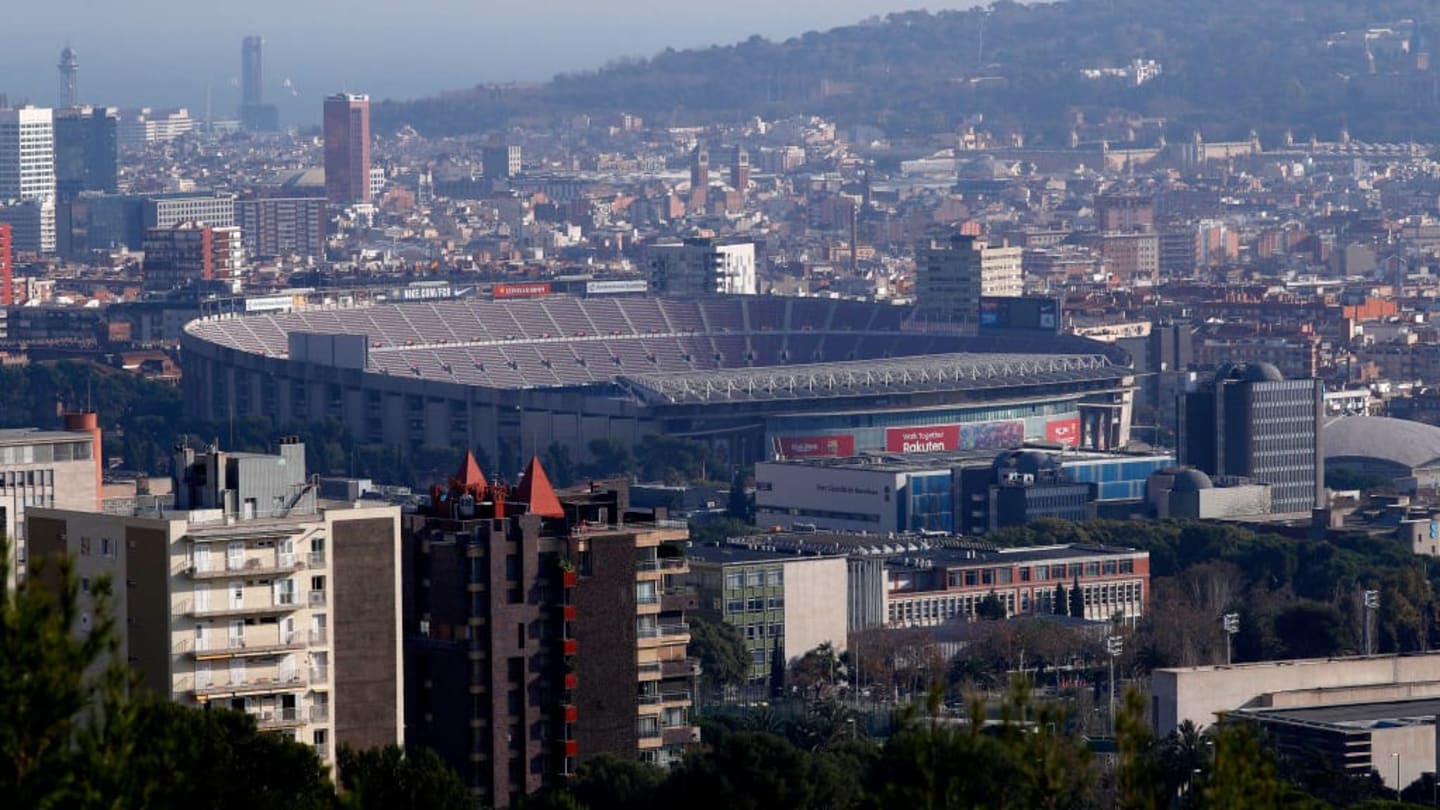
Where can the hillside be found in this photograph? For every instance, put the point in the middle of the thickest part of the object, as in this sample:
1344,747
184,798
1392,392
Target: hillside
1228,66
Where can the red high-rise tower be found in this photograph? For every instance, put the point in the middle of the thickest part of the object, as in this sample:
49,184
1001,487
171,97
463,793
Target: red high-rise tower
347,148
7,287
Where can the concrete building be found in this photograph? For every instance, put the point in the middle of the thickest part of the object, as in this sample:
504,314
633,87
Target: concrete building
1188,493
701,267
1124,213
282,226
347,148
215,208
47,468
249,593
86,151
26,220
951,275
544,629
1357,712
1251,422
192,252
500,161
27,167
141,126
967,492
781,603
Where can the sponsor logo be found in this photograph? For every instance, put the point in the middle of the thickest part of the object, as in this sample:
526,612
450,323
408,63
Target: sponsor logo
1064,431
521,290
929,439
817,446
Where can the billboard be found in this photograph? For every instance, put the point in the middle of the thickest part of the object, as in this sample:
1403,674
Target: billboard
1032,314
534,289
616,287
969,436
928,439
830,446
1063,431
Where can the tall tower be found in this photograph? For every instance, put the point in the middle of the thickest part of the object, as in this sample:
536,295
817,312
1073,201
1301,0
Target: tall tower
347,148
255,114
252,70
69,77
740,170
27,172
699,178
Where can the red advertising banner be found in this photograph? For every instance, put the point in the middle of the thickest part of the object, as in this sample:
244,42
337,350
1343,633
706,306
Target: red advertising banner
533,290
836,446
1063,431
927,439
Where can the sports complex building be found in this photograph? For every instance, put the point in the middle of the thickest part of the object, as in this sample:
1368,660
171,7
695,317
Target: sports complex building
755,377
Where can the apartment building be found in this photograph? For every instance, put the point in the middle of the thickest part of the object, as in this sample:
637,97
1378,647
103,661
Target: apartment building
249,593
542,629
47,468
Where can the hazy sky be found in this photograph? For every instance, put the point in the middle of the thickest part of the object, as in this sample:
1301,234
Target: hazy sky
165,52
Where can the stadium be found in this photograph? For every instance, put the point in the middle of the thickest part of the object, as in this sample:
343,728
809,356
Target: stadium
754,377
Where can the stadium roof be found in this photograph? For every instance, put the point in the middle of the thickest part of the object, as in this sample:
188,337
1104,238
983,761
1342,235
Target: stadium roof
942,372
1413,445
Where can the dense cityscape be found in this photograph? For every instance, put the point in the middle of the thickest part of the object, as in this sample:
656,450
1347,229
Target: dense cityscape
1041,419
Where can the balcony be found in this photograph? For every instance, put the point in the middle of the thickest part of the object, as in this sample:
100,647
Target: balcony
315,559
322,750
249,567
279,718
649,731
680,735
570,647
571,680
319,636
571,748
686,668
219,609
679,599
571,714
320,713
671,564
319,675
250,685
239,647
316,599
568,613
664,631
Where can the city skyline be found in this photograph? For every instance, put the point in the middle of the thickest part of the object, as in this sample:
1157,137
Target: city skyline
118,66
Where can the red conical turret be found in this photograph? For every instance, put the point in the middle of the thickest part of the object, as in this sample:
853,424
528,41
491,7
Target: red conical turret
535,491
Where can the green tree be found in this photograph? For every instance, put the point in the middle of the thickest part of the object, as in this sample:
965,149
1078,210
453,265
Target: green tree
738,504
724,658
1061,603
1077,600
610,782
990,607
558,465
393,778
609,456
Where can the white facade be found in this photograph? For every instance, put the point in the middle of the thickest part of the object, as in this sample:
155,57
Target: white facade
27,165
702,267
142,126
842,499
1001,271
951,275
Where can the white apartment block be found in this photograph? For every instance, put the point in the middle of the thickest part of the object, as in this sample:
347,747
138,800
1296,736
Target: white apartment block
286,609
27,165
701,267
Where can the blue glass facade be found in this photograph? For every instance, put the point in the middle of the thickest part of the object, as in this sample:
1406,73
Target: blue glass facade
1115,479
929,504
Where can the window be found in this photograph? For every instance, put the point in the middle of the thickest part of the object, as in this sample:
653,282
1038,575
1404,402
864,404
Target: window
776,602
107,547
1127,566
775,577
84,546
757,657
734,580
1025,574
754,579
735,606
1109,567
284,591
972,578
755,604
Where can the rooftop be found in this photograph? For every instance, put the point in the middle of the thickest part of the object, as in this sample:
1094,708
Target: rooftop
1398,441
24,436
1377,714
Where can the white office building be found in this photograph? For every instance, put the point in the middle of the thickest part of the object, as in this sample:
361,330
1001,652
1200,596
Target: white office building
27,167
701,267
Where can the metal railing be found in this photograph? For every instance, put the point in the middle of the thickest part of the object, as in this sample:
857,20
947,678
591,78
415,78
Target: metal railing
659,630
320,713
648,731
317,599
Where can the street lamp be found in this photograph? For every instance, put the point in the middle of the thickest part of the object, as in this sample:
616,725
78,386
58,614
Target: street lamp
1396,756
1231,623
1114,645
1371,601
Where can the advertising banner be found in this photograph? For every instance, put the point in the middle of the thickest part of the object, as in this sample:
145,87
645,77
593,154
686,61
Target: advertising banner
836,446
927,439
531,290
1063,431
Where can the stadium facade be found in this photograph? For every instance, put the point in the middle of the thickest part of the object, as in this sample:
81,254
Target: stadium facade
754,377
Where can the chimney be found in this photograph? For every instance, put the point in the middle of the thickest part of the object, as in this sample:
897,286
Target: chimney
89,422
